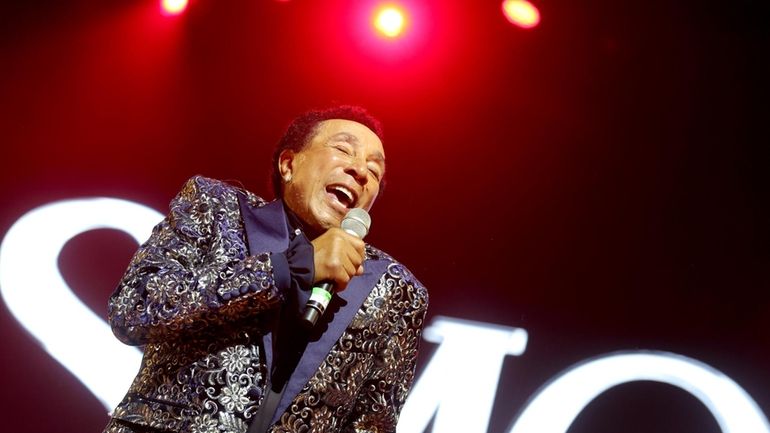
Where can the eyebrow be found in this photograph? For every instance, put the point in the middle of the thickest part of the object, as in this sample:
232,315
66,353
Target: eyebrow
352,139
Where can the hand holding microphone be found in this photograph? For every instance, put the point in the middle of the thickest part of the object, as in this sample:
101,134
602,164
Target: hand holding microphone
338,256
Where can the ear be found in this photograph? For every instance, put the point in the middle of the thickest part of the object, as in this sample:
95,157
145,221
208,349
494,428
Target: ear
286,164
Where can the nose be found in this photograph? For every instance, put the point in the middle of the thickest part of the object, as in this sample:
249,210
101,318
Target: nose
357,170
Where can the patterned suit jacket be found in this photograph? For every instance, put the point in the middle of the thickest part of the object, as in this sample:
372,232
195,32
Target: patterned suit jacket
201,296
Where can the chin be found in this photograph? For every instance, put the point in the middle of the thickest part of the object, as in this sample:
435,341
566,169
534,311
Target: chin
328,223
324,217
323,222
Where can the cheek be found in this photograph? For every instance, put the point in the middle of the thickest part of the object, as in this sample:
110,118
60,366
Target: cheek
300,189
371,197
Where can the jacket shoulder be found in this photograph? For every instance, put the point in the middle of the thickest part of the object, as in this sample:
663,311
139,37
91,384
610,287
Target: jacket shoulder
397,270
198,187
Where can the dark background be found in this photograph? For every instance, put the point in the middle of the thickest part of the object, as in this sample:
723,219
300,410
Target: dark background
600,180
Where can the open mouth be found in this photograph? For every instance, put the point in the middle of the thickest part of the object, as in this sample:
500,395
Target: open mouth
344,195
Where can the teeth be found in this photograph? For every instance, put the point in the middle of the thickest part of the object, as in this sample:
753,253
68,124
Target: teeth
345,191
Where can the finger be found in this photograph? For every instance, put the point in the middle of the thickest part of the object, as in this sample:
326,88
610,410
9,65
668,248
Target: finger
356,261
362,250
350,269
360,270
355,241
340,287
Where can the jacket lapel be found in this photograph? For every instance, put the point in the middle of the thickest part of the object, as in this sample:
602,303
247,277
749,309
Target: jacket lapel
266,231
265,226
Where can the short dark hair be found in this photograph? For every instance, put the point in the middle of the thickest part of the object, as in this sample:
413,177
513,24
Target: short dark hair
304,127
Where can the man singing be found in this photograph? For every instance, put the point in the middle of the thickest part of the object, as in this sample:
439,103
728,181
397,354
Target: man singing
217,294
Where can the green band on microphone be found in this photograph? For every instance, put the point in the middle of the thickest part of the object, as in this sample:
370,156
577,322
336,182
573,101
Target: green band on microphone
320,295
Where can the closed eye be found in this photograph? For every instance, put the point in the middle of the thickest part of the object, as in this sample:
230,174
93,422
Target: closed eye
375,172
344,149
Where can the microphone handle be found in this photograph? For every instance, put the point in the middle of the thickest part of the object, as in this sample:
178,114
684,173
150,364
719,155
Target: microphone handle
316,305
356,223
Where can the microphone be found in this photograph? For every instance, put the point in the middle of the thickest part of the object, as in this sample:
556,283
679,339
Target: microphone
356,223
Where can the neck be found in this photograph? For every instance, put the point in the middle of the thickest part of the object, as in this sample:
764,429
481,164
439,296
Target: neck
295,222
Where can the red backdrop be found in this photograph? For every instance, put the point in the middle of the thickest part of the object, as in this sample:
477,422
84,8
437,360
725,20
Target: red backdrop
598,180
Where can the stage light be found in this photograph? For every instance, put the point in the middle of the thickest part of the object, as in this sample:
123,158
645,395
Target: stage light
521,13
390,21
173,7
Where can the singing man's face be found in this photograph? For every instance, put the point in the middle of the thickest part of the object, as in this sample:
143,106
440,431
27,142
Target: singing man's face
339,169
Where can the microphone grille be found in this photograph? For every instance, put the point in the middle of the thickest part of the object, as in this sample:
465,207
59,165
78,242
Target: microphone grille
356,222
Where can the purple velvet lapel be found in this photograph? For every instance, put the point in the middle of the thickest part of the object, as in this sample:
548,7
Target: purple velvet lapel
266,230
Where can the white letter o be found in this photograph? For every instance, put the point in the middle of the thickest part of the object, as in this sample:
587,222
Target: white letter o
557,404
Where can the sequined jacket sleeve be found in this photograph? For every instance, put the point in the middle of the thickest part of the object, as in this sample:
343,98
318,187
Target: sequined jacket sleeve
194,271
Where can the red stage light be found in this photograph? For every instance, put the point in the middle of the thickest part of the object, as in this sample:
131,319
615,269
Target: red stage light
390,20
521,13
173,7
